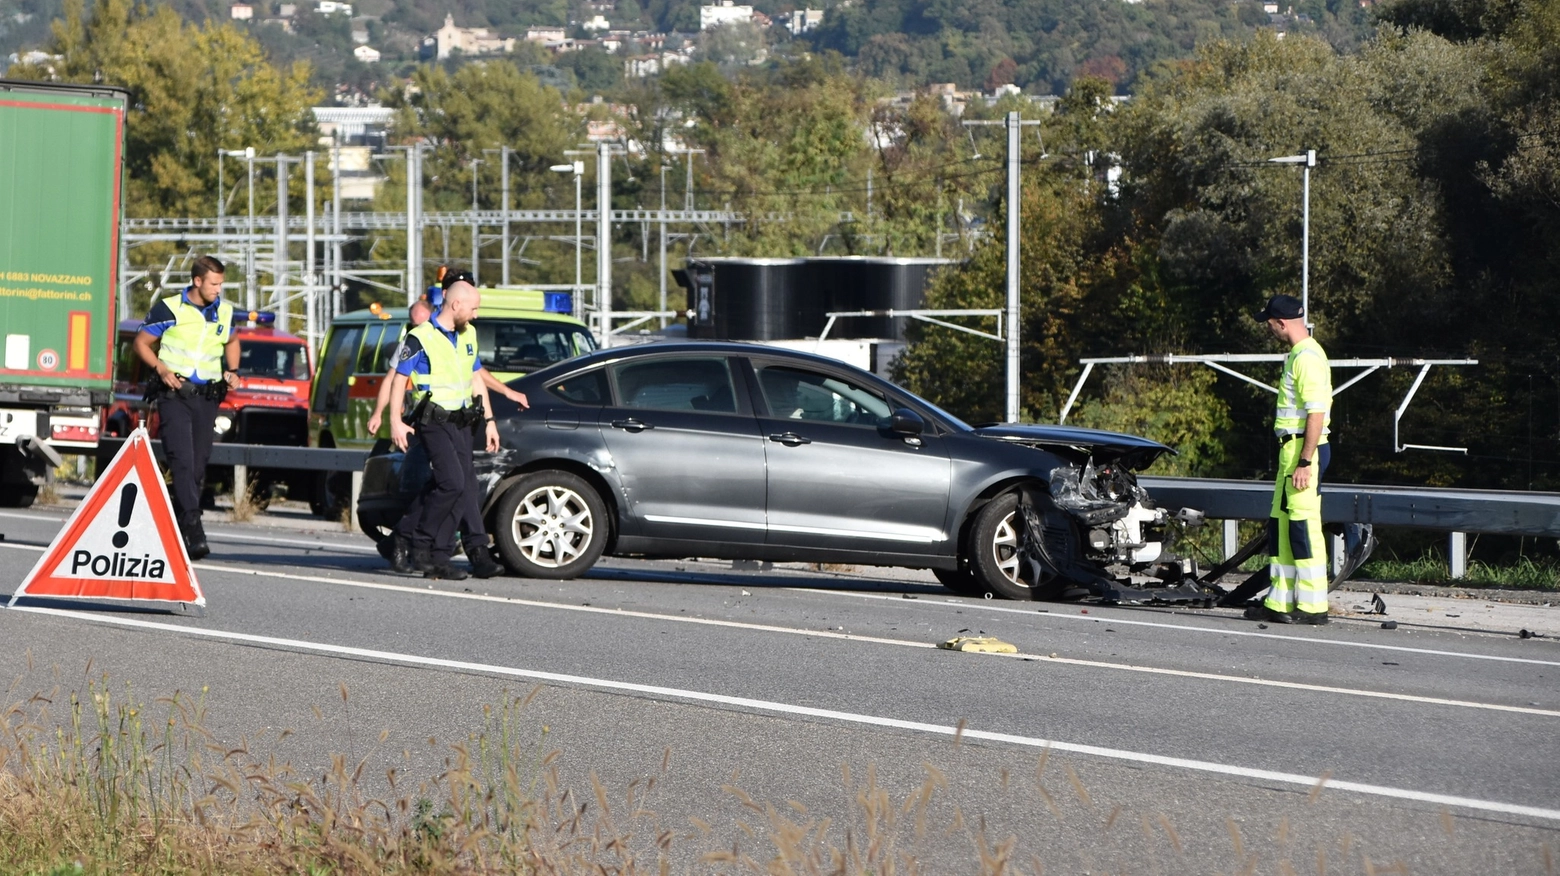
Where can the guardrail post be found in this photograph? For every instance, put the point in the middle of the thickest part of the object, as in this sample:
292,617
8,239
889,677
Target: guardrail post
240,486
357,489
1457,554
1231,538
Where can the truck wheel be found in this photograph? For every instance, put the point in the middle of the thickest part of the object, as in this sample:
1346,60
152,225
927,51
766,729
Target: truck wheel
993,548
551,524
18,495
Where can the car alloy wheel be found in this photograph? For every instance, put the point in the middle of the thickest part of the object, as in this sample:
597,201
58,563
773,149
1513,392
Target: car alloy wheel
551,524
993,548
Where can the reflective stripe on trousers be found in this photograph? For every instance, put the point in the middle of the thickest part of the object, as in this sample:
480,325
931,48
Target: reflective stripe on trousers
1298,567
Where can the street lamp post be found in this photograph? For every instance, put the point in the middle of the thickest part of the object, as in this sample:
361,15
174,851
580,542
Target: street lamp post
578,169
1306,160
251,297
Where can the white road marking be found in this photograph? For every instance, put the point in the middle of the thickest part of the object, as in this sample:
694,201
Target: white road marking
1117,619
852,637
829,714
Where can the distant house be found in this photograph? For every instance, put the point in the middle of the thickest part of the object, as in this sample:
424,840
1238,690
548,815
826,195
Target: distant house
545,35
597,22
333,7
468,40
287,10
366,55
801,21
640,66
241,12
725,13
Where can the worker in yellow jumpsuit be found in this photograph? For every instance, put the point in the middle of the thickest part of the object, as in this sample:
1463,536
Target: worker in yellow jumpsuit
1298,568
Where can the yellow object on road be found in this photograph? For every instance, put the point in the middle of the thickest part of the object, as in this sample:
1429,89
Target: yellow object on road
979,644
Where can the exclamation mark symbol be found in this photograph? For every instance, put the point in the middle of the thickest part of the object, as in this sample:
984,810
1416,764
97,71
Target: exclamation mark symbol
126,505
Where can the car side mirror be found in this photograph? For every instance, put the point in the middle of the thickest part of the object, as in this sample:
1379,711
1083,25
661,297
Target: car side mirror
906,422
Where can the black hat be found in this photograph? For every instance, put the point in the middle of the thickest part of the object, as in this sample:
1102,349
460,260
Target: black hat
450,278
1279,307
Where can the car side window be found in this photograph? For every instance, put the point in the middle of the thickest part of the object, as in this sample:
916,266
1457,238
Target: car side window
801,394
676,384
589,388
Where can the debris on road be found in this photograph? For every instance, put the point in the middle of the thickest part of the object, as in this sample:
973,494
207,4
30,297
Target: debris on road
978,644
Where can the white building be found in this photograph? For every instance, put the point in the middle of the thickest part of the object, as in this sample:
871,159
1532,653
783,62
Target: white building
597,22
241,12
725,13
333,7
801,21
468,40
545,35
366,55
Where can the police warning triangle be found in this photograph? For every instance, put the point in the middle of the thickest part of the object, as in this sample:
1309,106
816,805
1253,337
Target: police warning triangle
121,542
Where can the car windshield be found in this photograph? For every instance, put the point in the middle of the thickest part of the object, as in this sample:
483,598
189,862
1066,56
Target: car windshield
526,344
277,361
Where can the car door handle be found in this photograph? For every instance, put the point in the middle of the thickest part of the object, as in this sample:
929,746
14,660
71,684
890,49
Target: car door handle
790,439
632,424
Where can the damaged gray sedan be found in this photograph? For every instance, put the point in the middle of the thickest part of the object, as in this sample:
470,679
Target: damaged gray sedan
741,451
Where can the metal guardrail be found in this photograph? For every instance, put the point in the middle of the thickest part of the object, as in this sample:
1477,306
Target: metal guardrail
1492,512
263,455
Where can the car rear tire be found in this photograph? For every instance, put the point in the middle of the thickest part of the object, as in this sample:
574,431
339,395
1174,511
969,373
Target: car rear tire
993,549
551,524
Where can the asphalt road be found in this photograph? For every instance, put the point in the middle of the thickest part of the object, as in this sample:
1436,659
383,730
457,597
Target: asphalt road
1118,739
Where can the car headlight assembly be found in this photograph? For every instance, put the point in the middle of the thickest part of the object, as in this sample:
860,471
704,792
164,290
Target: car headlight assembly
222,425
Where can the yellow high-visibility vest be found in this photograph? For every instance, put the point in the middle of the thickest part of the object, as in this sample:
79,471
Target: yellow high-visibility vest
1304,388
192,346
450,366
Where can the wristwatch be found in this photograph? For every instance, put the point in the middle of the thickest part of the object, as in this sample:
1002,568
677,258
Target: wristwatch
1304,463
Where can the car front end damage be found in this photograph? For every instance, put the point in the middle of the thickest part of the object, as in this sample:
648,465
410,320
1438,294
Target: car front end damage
1090,530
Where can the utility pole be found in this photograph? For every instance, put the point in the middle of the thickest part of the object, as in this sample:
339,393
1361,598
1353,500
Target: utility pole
1306,160
604,239
251,276
503,155
413,222
337,299
279,258
1015,126
310,308
663,245
476,274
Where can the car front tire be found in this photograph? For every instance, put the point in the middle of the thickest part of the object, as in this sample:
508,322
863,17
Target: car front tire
551,524
993,549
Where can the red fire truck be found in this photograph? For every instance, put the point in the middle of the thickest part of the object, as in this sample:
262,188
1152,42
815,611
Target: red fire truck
271,406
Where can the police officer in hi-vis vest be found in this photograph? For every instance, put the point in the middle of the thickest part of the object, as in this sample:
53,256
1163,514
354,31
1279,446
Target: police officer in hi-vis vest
196,360
1298,567
449,400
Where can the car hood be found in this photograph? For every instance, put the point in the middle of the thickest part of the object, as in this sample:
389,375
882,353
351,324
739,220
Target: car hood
1129,450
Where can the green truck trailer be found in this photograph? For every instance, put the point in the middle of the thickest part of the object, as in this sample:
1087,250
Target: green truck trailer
61,153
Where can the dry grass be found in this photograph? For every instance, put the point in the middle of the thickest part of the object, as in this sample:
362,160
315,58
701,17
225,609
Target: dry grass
111,786
244,507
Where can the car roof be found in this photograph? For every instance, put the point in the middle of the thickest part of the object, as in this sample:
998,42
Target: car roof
740,348
403,314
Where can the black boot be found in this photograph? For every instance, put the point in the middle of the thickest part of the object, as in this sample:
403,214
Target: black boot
482,563
195,542
445,571
419,561
401,556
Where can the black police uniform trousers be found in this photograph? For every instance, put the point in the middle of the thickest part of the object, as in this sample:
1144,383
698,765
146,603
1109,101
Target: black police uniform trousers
449,452
472,532
186,434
